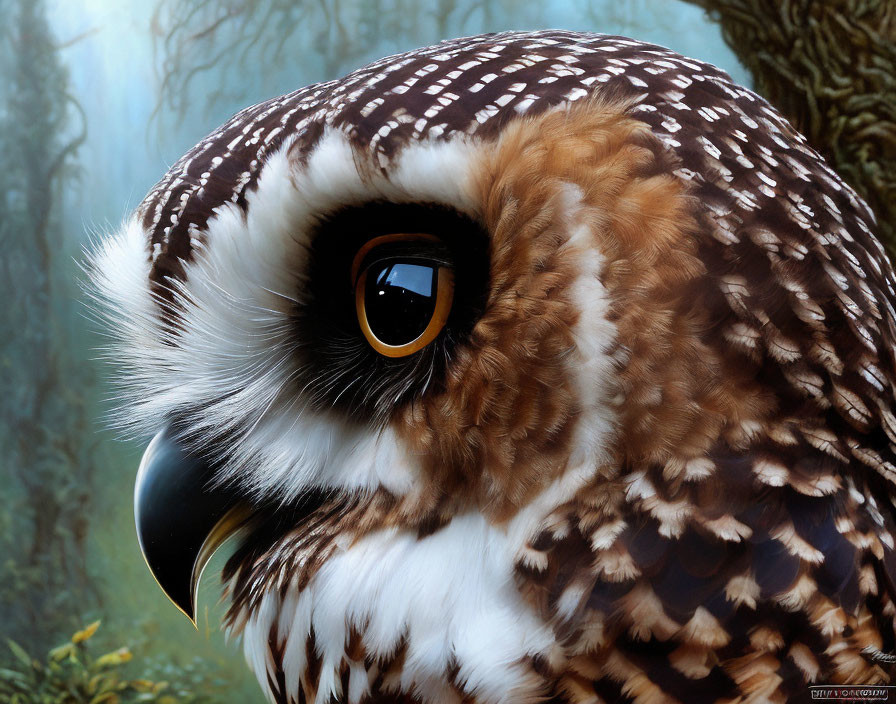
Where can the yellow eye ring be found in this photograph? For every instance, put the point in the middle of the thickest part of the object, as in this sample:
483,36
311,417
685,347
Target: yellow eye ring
440,313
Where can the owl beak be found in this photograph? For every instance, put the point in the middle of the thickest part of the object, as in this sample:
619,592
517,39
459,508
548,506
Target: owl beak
182,517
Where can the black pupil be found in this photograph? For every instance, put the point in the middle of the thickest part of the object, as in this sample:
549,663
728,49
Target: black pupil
400,299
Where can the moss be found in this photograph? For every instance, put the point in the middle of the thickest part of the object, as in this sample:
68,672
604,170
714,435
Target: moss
72,674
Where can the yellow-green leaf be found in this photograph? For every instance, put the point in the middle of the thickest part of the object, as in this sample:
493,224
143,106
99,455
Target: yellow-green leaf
143,685
114,659
63,651
20,654
85,633
97,684
106,698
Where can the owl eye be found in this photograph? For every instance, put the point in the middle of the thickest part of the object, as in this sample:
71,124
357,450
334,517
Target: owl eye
404,288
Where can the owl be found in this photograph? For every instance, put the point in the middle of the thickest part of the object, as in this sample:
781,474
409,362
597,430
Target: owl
527,367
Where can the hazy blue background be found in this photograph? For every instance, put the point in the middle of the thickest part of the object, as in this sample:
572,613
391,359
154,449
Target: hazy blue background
134,132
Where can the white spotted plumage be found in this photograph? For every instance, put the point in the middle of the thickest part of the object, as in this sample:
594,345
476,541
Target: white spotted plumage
665,425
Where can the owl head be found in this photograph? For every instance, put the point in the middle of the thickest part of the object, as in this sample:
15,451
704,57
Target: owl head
509,356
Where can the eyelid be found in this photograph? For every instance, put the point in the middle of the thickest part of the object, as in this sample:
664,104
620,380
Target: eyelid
385,239
407,252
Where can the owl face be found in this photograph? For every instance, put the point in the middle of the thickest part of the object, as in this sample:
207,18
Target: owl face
444,337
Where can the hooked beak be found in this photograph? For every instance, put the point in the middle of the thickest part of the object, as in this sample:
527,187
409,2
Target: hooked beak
182,517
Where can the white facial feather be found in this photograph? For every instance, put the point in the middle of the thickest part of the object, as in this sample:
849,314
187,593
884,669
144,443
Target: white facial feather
591,366
452,594
233,362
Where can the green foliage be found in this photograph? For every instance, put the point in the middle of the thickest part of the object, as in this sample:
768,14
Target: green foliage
45,443
58,561
72,674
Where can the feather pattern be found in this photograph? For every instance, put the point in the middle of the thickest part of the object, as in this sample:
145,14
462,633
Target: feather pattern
658,465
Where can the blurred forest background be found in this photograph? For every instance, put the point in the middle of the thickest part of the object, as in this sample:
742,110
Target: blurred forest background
97,99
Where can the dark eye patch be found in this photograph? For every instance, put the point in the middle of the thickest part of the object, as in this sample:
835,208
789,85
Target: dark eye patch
336,366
